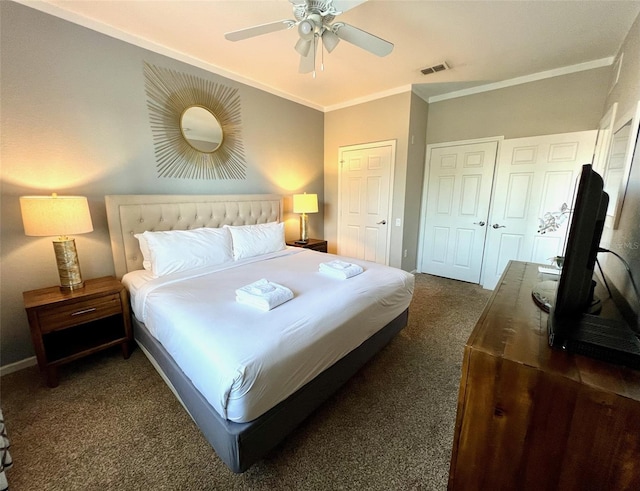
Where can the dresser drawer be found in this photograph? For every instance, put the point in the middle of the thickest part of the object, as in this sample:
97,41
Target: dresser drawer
79,313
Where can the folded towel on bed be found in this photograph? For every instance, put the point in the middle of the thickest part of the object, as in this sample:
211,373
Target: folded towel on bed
263,294
340,269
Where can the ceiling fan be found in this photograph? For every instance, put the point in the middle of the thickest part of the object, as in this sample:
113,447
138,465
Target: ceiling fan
315,21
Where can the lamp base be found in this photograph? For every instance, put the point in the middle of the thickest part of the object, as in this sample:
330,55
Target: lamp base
68,265
72,288
304,226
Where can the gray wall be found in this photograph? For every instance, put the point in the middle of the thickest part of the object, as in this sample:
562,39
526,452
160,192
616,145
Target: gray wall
75,121
556,105
415,176
382,119
625,240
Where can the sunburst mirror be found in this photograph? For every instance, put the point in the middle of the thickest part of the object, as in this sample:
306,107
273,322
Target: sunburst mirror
195,125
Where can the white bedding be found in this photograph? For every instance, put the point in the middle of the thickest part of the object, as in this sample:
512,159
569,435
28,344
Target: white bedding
244,360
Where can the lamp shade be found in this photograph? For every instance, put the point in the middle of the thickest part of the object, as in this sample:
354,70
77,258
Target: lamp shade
55,215
305,203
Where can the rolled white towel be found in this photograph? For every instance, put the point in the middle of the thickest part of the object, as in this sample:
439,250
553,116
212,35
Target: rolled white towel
340,269
263,294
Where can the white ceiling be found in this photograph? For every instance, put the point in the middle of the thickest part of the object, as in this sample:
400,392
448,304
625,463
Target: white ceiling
484,42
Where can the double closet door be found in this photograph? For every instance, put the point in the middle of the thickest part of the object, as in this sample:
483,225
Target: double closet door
469,233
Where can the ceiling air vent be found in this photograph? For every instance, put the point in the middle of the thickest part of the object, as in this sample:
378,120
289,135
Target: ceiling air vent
440,67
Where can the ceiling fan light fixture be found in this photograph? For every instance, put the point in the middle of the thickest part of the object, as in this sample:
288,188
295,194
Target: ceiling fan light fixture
307,29
330,40
303,46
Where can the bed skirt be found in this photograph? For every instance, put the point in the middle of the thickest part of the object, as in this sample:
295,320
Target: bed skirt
240,445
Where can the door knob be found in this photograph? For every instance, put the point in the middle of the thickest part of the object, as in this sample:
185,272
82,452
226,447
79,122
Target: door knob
495,225
482,224
382,222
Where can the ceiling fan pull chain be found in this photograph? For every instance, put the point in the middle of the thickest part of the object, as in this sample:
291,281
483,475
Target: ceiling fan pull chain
315,50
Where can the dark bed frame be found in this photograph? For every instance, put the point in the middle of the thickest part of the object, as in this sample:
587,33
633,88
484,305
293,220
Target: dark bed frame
240,445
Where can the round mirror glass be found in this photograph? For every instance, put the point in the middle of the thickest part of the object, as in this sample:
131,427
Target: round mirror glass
201,129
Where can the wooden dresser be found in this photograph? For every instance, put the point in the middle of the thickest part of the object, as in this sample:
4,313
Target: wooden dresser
530,417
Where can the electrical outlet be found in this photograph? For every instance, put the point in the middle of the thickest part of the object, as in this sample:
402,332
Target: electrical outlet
404,254
398,222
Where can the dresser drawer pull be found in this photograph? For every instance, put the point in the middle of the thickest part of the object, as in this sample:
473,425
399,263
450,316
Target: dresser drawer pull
85,311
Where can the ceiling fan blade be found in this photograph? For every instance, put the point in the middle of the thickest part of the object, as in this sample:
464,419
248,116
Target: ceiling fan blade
308,63
362,39
250,32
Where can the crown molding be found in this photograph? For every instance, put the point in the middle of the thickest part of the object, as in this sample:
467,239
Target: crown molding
556,72
369,98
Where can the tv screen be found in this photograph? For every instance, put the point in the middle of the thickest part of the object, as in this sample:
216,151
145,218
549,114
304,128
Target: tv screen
570,326
575,289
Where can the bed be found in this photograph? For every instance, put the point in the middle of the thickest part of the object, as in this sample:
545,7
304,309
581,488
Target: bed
246,376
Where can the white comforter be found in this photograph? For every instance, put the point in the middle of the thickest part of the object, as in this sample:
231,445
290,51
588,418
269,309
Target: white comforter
245,360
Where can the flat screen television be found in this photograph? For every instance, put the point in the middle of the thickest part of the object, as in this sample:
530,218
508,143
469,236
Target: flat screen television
570,327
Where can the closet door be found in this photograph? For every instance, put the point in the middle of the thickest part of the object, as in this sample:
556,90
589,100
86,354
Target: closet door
458,183
535,176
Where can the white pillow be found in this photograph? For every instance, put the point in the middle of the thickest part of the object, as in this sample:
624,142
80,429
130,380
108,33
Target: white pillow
254,240
180,250
146,253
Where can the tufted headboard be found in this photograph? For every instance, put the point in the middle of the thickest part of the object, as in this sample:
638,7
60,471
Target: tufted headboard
130,214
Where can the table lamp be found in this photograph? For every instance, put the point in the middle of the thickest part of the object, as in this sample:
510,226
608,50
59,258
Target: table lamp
59,216
304,203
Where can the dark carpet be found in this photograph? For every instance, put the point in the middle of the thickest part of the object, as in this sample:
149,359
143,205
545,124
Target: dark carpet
114,424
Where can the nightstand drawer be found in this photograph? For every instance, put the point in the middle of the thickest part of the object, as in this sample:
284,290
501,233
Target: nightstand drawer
313,244
79,313
322,247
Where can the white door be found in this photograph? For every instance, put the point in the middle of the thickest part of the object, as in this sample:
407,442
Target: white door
365,184
603,140
534,177
613,174
458,184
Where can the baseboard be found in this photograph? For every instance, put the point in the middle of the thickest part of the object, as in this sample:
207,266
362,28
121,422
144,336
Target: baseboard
18,365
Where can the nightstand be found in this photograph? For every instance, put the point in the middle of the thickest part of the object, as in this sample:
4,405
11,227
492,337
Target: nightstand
315,244
67,325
